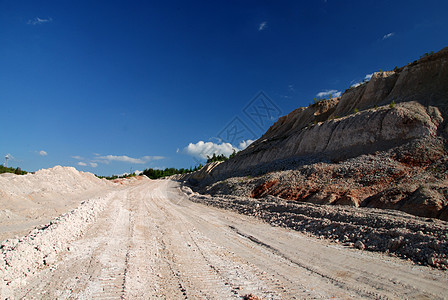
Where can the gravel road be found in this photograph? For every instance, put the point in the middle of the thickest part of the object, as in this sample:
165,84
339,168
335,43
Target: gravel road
150,241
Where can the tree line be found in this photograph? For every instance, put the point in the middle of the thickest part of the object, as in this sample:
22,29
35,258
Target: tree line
157,173
220,157
16,171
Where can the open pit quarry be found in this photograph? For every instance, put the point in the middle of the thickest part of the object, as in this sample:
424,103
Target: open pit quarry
346,198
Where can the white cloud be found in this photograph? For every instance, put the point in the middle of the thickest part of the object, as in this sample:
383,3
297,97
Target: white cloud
38,21
203,149
389,35
136,172
326,93
245,144
81,164
366,79
262,26
43,153
125,158
77,157
93,165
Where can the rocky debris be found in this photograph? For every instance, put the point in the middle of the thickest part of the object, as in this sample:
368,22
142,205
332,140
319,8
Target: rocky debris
422,240
360,245
380,180
21,257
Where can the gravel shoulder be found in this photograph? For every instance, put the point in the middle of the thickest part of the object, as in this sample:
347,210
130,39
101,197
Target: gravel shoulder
151,241
421,240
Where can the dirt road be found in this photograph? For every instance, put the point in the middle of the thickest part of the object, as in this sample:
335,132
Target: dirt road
152,242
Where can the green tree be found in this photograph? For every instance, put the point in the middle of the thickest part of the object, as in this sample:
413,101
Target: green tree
233,154
392,104
220,157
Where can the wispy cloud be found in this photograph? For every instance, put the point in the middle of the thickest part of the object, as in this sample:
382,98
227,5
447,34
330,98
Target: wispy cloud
39,21
124,158
203,149
262,26
43,153
389,35
84,164
107,159
326,93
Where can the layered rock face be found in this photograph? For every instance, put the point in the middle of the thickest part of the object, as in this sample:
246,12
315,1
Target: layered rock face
332,130
389,135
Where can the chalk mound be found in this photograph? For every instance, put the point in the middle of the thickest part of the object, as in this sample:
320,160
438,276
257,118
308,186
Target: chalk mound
33,199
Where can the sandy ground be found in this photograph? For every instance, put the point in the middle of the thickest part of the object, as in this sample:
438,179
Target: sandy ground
149,240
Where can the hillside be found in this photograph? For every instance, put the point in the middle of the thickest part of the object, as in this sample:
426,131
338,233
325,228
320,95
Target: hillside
382,144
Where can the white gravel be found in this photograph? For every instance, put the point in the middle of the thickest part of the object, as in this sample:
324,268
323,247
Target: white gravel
22,257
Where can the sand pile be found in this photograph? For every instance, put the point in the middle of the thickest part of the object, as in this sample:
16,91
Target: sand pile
57,179
27,201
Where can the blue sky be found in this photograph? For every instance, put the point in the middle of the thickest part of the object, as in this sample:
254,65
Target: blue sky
110,86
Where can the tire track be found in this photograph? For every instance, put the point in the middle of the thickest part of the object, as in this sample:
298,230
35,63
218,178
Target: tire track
238,275
148,244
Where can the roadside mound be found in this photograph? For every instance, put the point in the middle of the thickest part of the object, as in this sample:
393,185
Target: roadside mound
30,200
21,257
